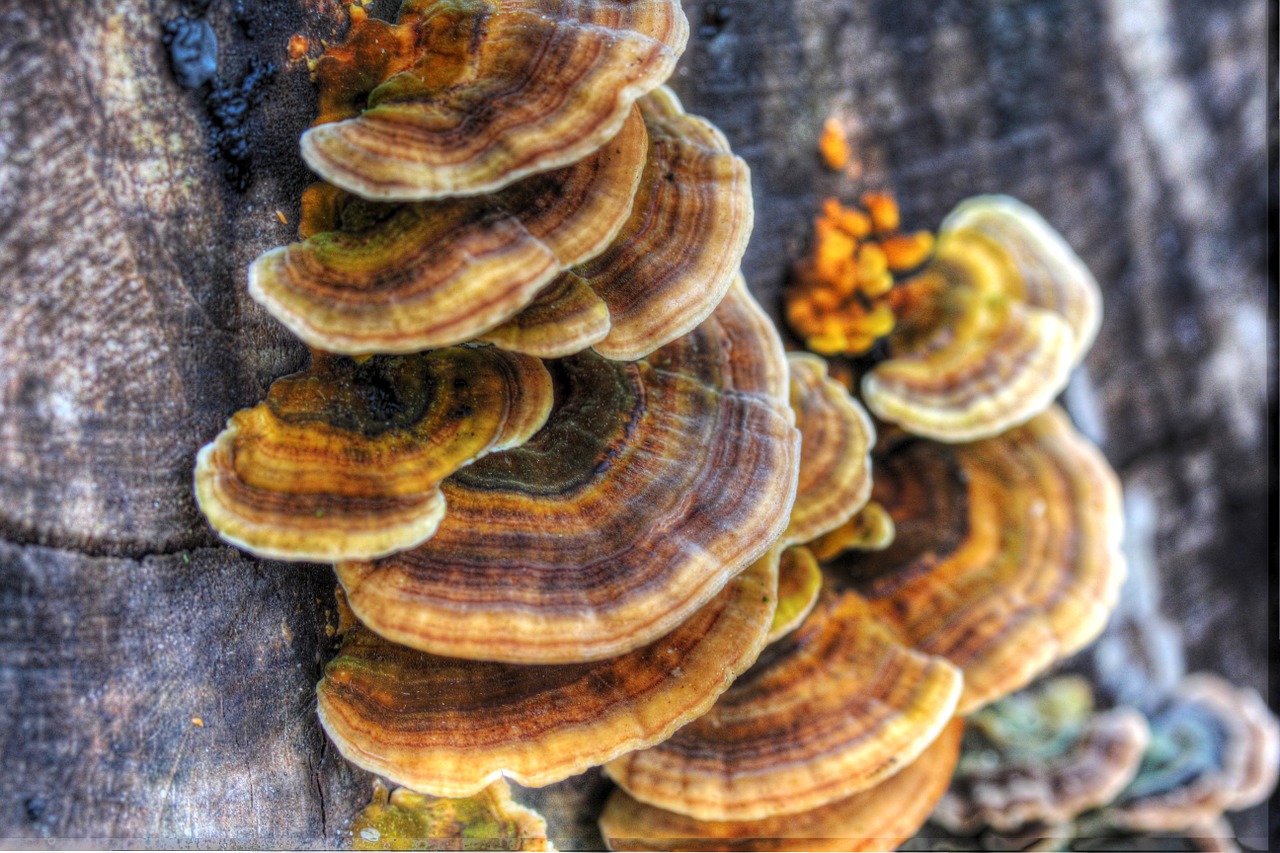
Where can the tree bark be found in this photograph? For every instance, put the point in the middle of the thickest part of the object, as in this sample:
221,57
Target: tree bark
156,686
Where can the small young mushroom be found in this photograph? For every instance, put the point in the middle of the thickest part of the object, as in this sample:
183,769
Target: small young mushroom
1214,748
879,818
871,529
344,460
1041,757
405,820
652,484
833,708
1007,551
449,727
466,97
799,585
565,317
402,278
835,450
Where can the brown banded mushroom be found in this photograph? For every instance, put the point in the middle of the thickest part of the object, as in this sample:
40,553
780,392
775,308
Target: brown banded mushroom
403,278
677,255
1041,758
450,727
1007,551
1214,748
833,708
835,450
879,818
989,330
652,484
405,820
398,278
467,96
345,459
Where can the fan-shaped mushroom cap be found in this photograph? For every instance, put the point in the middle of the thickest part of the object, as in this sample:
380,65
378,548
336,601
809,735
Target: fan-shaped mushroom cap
879,818
564,318
971,362
835,450
678,253
871,529
497,91
406,820
831,709
652,484
344,459
1041,758
1214,748
449,727
1007,553
1047,273
799,583
403,278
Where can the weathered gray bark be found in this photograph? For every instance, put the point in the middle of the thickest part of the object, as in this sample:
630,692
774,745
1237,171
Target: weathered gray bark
127,337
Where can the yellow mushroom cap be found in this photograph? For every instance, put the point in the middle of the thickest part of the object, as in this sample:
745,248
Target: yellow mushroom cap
835,450
978,362
496,91
1041,758
1007,552
652,484
1047,272
799,584
870,530
879,818
449,727
403,278
833,708
678,253
406,820
344,459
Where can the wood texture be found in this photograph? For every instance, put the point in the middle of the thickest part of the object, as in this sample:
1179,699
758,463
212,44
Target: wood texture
1137,127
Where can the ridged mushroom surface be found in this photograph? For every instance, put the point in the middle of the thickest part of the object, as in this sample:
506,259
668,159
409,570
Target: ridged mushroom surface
344,459
876,819
1007,551
833,708
477,94
450,727
652,484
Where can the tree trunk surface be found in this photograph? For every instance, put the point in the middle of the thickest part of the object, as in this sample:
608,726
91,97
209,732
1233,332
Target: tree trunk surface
157,686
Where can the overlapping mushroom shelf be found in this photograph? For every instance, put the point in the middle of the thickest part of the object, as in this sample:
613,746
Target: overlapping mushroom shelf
624,250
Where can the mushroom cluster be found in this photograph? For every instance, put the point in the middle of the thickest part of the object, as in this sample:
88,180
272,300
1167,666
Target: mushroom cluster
1046,768
547,436
985,550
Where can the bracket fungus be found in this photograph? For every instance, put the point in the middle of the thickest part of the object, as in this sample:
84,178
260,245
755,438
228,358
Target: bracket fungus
466,96
1041,758
879,818
833,708
1006,556
835,453
980,339
346,457
402,278
1214,748
405,820
870,529
450,727
651,485
799,585
624,250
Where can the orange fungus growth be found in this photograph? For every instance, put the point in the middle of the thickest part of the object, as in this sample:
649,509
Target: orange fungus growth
833,145
842,297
